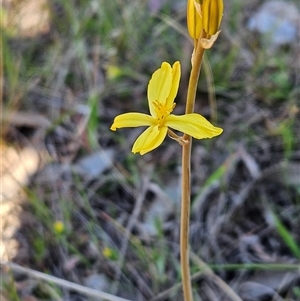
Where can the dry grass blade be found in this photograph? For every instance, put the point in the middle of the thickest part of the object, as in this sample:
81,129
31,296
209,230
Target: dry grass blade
135,214
223,285
62,283
206,271
167,293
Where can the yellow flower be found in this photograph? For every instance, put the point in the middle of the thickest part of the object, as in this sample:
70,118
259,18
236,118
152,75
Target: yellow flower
59,227
162,89
107,252
110,253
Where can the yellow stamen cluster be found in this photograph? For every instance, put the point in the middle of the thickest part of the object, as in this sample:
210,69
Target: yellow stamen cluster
162,111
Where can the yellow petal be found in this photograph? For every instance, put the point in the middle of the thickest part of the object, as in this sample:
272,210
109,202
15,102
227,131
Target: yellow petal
212,12
194,20
159,86
150,139
131,120
194,125
176,73
198,4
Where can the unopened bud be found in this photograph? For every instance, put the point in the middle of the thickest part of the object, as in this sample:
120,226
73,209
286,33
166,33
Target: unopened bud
194,20
212,12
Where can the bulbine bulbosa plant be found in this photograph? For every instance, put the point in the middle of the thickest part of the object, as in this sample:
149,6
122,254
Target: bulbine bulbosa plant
203,22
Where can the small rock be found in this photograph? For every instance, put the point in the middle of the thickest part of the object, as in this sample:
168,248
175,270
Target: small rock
277,21
96,163
159,209
97,281
252,291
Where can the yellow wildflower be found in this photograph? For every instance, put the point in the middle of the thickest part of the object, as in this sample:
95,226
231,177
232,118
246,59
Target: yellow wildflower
59,227
107,252
110,253
162,89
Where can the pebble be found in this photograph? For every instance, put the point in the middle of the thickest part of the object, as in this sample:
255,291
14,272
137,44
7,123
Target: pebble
277,22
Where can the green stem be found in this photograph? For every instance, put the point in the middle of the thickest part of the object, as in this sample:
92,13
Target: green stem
186,182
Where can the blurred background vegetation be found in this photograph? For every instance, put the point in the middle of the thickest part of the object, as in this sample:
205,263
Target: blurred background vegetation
78,205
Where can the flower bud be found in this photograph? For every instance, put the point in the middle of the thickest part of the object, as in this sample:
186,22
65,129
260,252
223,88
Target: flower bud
194,20
212,12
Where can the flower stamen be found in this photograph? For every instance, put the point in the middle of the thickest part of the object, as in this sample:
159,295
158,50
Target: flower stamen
161,111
